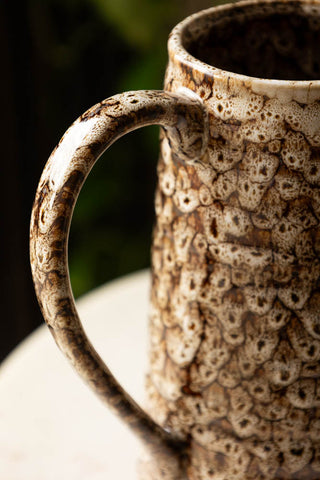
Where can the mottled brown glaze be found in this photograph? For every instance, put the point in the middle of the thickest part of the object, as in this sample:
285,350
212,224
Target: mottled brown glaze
185,121
234,378
235,315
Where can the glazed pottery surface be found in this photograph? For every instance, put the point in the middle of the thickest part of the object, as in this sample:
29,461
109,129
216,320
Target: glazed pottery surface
234,379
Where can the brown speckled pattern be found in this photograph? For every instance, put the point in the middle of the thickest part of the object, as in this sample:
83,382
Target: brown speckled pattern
185,120
234,380
235,315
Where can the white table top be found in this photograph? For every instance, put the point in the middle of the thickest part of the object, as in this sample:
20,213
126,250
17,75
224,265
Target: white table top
51,425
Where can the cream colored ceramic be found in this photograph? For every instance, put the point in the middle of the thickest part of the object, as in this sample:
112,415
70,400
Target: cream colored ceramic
233,387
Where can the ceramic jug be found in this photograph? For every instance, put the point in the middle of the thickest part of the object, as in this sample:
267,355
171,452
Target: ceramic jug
234,377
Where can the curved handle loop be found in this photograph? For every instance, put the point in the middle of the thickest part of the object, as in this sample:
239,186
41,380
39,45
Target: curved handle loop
184,117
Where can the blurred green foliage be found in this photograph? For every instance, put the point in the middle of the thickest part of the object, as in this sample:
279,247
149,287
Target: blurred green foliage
142,23
90,50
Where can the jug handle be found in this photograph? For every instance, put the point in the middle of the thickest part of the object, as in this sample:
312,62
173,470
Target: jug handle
184,118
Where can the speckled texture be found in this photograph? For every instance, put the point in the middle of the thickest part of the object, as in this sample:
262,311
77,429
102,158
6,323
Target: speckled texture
185,120
235,315
234,384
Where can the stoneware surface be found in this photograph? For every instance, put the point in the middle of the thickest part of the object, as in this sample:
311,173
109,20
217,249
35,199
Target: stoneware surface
233,386
235,326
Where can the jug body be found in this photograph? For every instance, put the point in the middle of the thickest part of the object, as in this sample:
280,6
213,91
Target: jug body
235,303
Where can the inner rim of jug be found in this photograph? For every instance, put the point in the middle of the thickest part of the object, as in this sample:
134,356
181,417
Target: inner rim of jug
265,41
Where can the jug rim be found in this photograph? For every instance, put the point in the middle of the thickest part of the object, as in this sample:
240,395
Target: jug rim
303,91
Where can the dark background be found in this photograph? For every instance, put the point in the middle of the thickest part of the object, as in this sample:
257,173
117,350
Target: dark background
59,57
